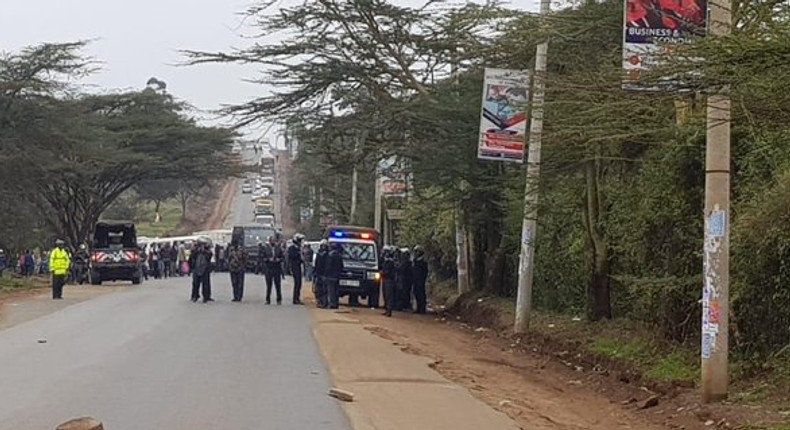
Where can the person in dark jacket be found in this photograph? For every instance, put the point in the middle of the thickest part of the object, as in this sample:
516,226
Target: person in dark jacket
3,262
405,279
332,271
273,257
389,279
420,278
200,265
319,280
237,265
295,264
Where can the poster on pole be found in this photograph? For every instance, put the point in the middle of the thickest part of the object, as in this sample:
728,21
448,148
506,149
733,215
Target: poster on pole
393,178
652,28
503,118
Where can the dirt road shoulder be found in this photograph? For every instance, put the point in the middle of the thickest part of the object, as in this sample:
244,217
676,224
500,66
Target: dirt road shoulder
393,389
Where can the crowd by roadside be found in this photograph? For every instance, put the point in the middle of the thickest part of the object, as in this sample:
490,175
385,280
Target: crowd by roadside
25,263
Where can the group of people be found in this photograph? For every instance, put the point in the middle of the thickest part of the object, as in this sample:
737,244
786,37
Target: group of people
28,263
404,279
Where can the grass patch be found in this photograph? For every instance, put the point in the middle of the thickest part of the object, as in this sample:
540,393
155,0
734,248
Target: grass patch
673,367
170,211
631,350
9,284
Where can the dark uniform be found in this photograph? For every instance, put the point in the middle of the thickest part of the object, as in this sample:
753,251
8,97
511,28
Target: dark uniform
273,259
389,280
237,265
295,266
405,282
334,267
420,270
200,264
319,279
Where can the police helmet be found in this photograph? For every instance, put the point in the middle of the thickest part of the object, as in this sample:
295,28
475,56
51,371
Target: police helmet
298,237
83,247
59,242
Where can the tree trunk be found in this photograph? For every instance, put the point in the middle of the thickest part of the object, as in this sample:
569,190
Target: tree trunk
157,217
599,283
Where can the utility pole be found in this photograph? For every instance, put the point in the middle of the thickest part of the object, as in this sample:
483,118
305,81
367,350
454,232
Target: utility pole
377,201
526,263
716,267
461,235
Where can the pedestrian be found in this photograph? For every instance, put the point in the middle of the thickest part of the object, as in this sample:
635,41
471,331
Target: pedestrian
59,267
273,259
295,263
237,265
389,279
334,267
319,280
405,276
420,278
200,263
167,263
29,263
3,262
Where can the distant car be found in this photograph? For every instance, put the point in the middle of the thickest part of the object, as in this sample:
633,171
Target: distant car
265,220
246,188
235,149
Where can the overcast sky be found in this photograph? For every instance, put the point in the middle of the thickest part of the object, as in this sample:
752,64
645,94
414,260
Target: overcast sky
139,39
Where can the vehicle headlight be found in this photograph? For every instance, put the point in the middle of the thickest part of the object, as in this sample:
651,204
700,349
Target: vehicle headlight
373,276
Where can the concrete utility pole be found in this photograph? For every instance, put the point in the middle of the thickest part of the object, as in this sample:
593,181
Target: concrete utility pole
716,269
377,203
526,266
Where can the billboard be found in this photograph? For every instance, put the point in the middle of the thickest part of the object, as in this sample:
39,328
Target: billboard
503,118
652,27
393,180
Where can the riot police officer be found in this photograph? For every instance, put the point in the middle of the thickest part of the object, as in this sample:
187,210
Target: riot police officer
334,267
295,264
273,259
319,274
420,271
389,279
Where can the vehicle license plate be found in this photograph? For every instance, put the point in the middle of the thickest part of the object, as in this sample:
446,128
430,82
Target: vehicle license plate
349,283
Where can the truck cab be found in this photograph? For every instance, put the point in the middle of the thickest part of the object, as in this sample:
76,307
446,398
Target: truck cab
361,277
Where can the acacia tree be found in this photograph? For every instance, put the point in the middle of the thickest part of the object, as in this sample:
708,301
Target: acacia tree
78,153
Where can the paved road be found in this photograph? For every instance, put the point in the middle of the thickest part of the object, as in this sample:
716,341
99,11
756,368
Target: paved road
149,359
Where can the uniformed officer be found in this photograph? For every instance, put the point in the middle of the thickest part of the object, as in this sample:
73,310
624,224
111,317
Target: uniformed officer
200,265
389,279
237,265
319,279
59,264
334,267
420,270
273,259
295,264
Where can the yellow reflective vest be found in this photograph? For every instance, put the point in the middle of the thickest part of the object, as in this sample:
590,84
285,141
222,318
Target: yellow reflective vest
59,261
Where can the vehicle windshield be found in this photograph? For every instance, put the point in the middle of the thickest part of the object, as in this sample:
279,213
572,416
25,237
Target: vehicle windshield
359,251
252,236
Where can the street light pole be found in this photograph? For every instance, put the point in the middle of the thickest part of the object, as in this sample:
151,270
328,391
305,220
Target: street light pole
526,264
716,264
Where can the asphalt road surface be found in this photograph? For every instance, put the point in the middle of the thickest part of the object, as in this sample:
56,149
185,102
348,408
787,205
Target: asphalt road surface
148,359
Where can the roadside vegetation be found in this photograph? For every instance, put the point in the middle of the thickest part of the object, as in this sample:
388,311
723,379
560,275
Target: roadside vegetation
621,192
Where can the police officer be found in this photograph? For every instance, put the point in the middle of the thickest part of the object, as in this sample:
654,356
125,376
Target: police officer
389,278
80,264
319,279
334,267
59,263
420,272
237,265
295,265
273,259
200,264
405,276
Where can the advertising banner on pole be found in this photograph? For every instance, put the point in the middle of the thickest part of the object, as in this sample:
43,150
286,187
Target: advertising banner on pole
652,28
503,119
393,179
